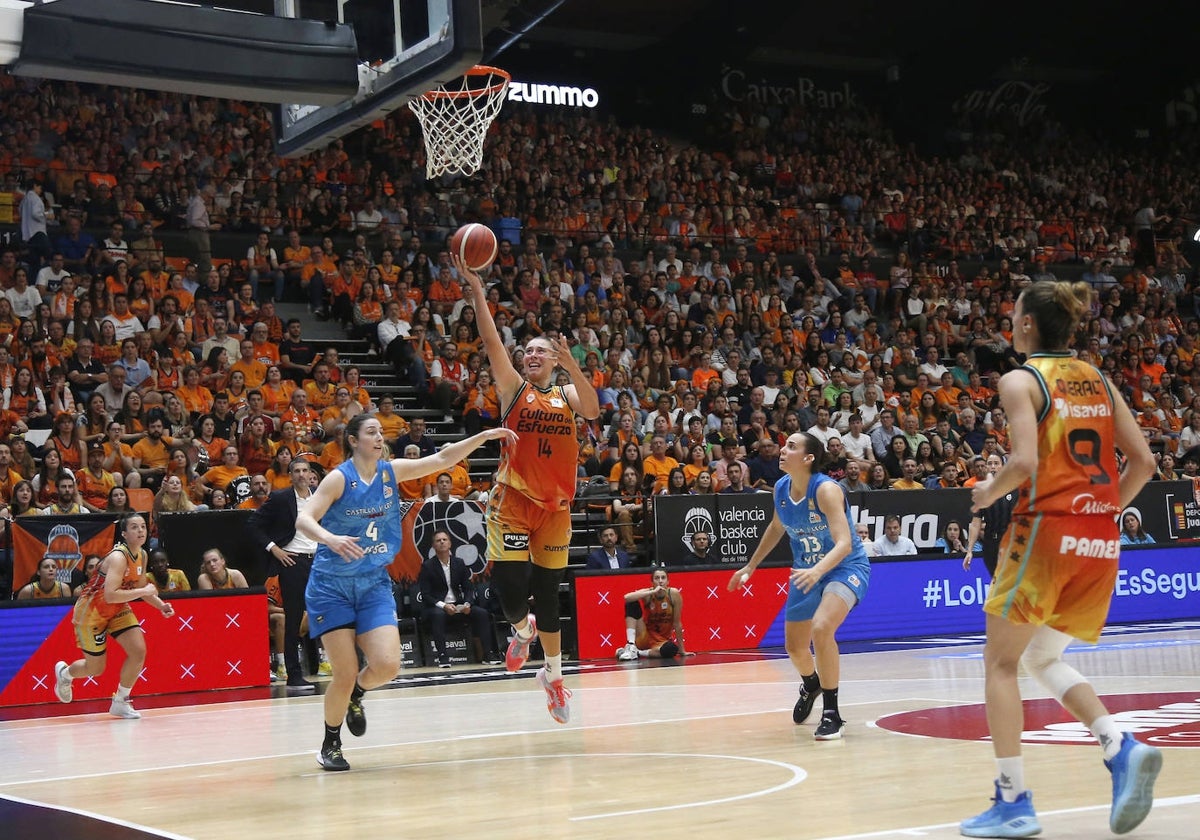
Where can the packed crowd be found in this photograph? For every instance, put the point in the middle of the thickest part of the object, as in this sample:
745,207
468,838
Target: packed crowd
782,180
149,371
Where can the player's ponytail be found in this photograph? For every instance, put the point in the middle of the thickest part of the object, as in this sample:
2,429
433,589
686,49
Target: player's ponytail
814,447
1057,307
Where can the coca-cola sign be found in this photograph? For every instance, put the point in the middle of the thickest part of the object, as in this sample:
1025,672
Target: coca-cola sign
1023,101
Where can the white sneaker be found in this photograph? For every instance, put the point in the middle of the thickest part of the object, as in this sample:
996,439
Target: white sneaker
62,683
124,709
629,653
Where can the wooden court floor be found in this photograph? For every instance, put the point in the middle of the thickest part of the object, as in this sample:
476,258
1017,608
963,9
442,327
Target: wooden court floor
705,749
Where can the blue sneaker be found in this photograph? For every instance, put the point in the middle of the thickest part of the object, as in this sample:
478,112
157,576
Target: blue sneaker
1004,819
1134,770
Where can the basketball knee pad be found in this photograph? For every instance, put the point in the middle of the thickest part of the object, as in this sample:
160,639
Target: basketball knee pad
543,586
669,650
511,582
633,609
1043,660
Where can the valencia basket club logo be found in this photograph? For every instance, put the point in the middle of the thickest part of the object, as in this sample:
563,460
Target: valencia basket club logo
63,548
65,540
698,520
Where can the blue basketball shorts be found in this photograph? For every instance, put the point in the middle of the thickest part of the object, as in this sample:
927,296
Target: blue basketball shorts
362,602
848,582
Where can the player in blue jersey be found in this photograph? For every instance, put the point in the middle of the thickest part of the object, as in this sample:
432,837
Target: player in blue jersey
830,572
355,516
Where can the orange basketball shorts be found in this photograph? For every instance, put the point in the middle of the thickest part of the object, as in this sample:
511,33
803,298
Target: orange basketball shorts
1058,571
518,529
92,630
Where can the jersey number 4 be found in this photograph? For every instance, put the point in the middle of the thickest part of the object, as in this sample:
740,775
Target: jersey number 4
372,531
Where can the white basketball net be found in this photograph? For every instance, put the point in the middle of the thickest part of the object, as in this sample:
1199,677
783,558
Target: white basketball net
455,118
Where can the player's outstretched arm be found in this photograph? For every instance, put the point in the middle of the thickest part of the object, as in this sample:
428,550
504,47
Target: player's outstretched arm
506,376
448,456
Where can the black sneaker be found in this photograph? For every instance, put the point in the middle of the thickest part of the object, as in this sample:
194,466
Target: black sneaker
356,718
299,686
830,728
331,758
804,705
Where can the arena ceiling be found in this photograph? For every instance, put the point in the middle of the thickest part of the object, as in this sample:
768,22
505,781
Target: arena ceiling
1065,42
1052,41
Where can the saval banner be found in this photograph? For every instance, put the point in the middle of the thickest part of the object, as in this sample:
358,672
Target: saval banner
67,540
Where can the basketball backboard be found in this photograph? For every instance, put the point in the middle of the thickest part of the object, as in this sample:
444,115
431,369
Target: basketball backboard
405,48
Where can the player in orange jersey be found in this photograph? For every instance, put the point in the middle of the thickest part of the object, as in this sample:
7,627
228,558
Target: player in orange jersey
1058,559
653,621
529,507
103,610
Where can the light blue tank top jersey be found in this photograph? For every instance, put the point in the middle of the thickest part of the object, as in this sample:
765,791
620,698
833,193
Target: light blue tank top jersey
808,528
372,512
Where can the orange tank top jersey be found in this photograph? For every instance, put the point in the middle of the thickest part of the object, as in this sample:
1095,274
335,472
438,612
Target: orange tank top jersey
542,463
93,593
226,584
59,590
1077,464
658,614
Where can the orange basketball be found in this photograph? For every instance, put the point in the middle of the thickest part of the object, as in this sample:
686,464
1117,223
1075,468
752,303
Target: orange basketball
476,244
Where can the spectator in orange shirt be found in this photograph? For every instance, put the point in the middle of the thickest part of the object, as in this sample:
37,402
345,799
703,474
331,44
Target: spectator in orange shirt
314,277
444,292
254,370
482,406
219,477
704,372
1149,366
93,481
319,390
151,454
259,490
658,463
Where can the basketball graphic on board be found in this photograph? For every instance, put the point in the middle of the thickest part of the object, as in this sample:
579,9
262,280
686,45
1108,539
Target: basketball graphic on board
476,245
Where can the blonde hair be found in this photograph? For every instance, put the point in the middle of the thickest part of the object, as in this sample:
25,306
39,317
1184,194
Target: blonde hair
1057,307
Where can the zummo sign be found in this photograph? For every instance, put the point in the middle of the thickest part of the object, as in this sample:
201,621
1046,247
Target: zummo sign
539,94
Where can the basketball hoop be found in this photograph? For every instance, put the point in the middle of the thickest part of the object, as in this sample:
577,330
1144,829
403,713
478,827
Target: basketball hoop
455,118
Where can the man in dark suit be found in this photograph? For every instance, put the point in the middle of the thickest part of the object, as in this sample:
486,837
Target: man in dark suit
272,529
445,586
608,555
